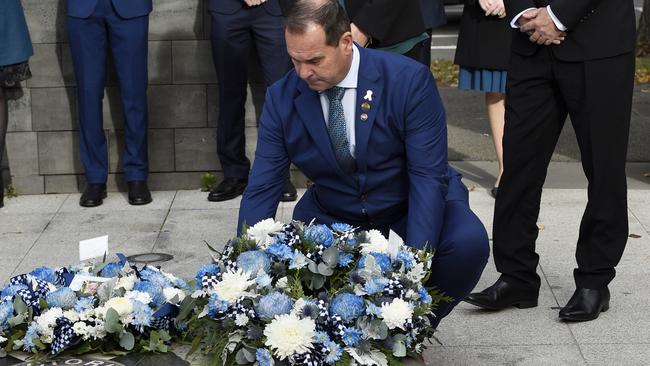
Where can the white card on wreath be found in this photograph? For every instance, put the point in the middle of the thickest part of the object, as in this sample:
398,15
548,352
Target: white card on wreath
79,280
93,248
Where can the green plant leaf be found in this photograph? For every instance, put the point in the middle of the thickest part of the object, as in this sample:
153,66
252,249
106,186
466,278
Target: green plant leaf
331,257
19,306
187,305
127,341
325,270
112,321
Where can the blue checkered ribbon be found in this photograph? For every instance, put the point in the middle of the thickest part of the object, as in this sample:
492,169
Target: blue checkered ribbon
163,317
64,336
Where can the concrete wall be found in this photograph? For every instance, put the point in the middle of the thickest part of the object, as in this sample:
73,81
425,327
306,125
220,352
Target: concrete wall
42,143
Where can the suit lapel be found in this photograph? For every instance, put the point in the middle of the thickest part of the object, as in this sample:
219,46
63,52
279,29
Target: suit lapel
308,106
369,94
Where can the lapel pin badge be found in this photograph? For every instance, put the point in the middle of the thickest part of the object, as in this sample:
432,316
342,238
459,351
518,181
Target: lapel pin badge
364,117
368,95
365,106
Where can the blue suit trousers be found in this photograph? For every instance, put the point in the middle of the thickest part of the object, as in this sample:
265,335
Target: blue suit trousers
127,38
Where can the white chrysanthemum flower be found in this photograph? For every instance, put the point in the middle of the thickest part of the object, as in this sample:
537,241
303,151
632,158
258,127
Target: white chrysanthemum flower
143,297
282,283
81,329
261,231
3,339
417,273
288,335
124,308
241,320
71,315
97,332
171,292
47,321
233,285
378,243
396,313
126,282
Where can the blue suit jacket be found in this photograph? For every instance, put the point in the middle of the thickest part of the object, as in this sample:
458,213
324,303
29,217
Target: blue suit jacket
125,8
401,151
231,6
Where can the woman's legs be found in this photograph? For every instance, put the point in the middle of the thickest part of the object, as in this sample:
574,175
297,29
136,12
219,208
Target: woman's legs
495,105
4,122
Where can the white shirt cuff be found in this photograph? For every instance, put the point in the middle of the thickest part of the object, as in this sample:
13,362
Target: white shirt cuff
557,21
515,21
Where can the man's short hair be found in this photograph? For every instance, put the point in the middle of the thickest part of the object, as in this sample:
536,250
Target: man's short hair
328,14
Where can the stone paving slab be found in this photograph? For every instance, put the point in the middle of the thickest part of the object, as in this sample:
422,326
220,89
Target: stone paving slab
536,355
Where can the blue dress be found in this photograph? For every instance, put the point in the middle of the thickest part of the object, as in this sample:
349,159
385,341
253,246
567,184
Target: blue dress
16,45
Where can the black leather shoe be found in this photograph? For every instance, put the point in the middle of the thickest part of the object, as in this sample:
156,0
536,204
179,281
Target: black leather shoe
139,193
229,188
289,193
585,304
502,295
93,195
494,191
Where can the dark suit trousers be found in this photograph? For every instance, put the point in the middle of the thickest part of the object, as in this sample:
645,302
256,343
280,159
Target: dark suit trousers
233,37
89,40
597,95
460,256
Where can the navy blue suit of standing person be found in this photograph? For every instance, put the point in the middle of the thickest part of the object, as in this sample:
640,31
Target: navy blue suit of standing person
94,26
399,178
237,27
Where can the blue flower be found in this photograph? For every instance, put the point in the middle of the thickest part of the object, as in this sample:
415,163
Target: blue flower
375,285
6,312
322,337
382,260
155,291
341,227
204,270
30,335
216,306
142,314
280,251
263,357
84,304
345,259
298,260
111,269
253,261
424,295
180,283
275,303
63,298
11,291
351,336
373,309
335,353
151,275
347,306
45,274
263,280
406,258
319,234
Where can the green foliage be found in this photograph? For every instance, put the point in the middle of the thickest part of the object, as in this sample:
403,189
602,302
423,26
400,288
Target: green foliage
207,181
11,191
642,74
112,322
445,72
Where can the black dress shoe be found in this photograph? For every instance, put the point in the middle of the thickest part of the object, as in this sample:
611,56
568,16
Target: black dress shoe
93,195
289,193
229,188
502,295
139,193
585,304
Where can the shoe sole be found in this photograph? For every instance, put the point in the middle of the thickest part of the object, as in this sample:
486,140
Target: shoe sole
584,319
288,199
224,198
519,304
140,203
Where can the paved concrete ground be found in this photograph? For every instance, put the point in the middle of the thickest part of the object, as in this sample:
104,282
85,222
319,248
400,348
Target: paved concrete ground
45,230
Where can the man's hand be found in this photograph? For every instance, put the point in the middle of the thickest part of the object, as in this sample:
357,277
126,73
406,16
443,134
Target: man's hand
254,2
540,27
493,8
358,35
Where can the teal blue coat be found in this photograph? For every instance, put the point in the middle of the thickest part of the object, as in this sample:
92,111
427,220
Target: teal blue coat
15,44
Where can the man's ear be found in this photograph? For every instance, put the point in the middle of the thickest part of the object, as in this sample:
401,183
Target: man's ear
346,41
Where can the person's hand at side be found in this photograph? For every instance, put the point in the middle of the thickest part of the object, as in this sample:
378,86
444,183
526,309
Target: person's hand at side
359,36
254,2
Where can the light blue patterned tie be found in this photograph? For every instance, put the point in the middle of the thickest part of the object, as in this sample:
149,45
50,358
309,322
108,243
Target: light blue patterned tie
337,129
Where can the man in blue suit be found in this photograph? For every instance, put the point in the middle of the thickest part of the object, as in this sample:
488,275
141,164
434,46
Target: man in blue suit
237,27
368,128
93,25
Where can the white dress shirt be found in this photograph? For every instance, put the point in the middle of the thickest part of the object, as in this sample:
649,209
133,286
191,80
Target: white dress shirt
349,98
558,23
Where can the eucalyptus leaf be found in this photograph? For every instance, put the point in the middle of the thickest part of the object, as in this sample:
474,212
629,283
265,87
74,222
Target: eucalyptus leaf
250,356
331,257
383,331
240,357
313,268
127,341
325,270
112,321
399,349
19,305
317,281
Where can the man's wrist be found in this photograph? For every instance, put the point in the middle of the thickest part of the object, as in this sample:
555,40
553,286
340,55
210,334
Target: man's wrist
515,21
555,20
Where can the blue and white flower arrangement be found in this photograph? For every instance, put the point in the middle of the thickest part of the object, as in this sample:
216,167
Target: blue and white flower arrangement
296,294
110,307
